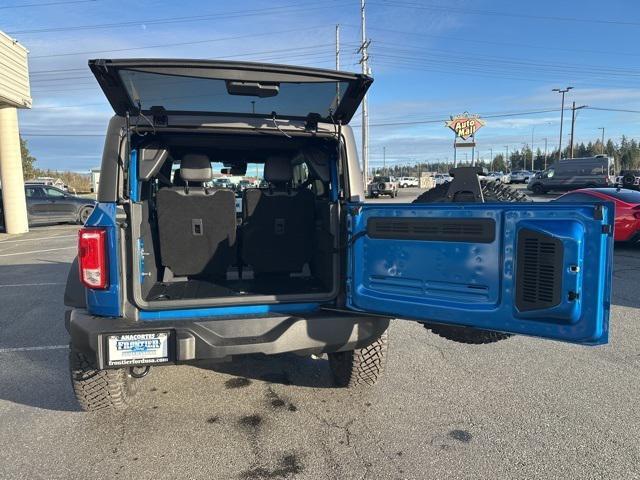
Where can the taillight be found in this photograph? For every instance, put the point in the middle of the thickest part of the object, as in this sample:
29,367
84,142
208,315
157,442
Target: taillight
92,257
636,212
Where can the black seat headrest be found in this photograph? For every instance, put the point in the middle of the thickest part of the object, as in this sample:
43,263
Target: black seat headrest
195,167
278,169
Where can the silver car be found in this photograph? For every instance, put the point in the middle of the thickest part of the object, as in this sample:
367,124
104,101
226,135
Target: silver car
521,176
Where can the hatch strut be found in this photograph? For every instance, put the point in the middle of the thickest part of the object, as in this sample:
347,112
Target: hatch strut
275,124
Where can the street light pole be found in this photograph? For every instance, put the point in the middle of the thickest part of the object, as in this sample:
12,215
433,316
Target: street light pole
545,153
602,141
384,160
562,91
532,130
573,123
507,158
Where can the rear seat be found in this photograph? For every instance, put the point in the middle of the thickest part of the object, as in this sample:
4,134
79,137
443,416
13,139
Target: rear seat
277,235
196,225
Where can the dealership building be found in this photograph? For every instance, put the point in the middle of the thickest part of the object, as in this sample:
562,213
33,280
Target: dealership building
15,93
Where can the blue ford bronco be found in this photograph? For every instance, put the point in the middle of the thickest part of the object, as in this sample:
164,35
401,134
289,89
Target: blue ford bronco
172,269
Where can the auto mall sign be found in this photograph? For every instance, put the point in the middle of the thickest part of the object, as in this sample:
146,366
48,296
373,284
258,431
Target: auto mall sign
465,125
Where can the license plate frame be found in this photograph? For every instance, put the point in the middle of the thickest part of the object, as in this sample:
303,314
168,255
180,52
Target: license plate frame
139,348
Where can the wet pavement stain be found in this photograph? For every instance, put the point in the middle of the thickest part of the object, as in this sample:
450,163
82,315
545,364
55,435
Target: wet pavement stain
461,435
277,402
250,421
238,382
287,465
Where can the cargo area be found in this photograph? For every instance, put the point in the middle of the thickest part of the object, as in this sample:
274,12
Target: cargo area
198,238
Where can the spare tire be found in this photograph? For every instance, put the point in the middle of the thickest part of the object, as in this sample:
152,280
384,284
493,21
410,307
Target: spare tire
492,192
628,180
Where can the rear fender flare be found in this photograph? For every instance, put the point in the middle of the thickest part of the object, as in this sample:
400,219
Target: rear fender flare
74,292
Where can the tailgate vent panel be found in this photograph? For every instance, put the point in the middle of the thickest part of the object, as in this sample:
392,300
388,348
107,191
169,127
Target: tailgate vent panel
471,230
539,271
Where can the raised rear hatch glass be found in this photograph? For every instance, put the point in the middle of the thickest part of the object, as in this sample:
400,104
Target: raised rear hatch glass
229,89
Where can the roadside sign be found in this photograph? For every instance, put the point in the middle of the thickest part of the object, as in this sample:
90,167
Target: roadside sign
465,125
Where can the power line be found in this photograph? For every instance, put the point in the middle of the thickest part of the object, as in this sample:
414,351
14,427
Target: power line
290,8
454,56
432,67
314,50
470,11
179,44
47,4
613,109
476,40
441,120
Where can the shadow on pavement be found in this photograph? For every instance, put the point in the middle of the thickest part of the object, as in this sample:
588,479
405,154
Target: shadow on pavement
626,275
283,369
37,379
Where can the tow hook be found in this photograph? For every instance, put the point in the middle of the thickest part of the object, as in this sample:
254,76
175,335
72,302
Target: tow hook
139,372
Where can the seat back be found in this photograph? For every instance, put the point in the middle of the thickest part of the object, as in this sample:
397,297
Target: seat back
278,223
196,226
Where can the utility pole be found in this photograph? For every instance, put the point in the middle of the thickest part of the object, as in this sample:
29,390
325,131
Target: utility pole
491,150
364,60
384,160
338,47
573,123
562,91
602,141
545,153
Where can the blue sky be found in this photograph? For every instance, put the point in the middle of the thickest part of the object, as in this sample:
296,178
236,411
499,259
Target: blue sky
429,59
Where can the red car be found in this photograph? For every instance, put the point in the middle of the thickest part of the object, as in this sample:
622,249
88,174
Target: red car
627,224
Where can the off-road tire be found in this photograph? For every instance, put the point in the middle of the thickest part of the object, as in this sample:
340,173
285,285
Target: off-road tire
100,389
492,192
361,367
628,180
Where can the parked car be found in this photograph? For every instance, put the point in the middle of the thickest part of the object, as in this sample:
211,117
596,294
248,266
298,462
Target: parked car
243,185
629,179
405,182
627,208
383,186
222,182
441,178
494,176
318,270
520,176
575,173
46,204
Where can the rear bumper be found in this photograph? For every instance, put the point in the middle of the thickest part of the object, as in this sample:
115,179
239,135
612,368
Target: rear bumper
224,337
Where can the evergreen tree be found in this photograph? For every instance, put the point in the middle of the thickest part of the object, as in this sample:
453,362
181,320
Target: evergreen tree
28,160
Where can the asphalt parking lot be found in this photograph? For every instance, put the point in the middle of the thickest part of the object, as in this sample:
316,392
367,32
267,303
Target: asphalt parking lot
521,408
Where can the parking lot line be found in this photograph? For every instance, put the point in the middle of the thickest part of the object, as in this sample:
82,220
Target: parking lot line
37,238
28,349
30,284
36,251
